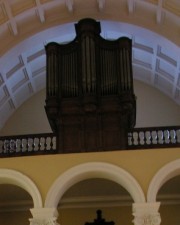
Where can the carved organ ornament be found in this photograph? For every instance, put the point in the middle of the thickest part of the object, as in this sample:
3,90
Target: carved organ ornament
90,101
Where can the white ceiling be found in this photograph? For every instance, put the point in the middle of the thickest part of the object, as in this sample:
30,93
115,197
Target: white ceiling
26,26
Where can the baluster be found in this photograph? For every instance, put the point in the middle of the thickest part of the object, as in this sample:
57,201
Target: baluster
148,137
154,137
160,137
30,145
42,143
48,141
24,145
36,144
166,137
141,138
135,138
12,146
18,145
172,136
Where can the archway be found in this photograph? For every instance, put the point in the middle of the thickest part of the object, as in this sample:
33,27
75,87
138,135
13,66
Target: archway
8,176
93,170
164,188
167,172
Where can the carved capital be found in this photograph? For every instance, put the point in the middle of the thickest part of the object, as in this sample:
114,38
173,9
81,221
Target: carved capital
50,221
147,220
44,216
146,214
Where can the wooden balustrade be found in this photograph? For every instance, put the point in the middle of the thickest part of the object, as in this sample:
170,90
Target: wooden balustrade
40,144
154,137
24,145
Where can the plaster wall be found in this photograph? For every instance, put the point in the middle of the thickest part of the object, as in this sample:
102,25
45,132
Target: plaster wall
153,109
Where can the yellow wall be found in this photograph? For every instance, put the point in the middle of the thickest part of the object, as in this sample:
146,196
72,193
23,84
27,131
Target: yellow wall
44,170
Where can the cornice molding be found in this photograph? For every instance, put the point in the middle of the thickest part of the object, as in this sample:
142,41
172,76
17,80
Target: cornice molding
87,202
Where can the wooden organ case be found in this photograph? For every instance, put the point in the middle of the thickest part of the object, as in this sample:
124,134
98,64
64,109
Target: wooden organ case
90,101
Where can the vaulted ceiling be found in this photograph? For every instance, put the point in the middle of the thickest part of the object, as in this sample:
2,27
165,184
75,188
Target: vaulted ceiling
27,26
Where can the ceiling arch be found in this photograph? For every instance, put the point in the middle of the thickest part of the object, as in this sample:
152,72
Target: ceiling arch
26,26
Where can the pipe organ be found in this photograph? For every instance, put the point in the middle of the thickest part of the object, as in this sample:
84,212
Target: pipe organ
90,101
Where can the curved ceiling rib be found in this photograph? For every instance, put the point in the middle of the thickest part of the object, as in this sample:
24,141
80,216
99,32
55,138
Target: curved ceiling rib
26,26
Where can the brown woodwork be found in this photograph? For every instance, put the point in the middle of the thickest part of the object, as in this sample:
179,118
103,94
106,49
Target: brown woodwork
90,101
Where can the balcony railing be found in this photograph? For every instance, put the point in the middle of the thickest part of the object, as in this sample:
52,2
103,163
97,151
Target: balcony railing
39,144
154,137
30,144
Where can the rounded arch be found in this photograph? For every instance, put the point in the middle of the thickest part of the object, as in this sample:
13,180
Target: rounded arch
8,176
167,172
93,170
147,44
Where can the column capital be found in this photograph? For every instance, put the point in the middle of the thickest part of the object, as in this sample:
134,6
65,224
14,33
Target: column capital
146,213
44,216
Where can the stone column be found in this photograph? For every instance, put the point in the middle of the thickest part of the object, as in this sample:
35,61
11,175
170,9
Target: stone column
146,213
44,216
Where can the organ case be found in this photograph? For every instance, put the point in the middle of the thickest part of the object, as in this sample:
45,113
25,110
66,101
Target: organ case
90,101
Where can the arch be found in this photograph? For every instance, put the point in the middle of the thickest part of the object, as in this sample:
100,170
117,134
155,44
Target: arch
145,44
93,170
167,172
8,176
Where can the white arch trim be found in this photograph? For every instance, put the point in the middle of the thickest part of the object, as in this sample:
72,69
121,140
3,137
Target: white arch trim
93,170
8,176
167,172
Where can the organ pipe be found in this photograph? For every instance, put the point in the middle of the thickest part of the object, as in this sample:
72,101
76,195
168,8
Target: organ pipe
73,69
